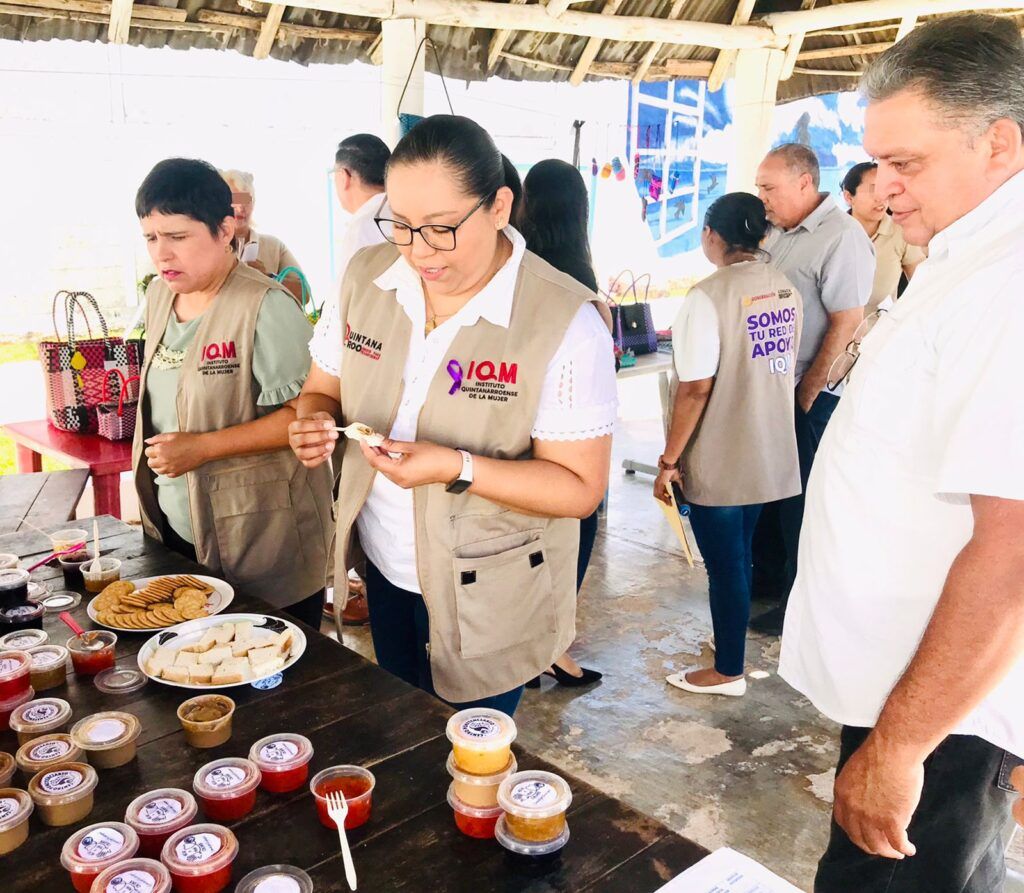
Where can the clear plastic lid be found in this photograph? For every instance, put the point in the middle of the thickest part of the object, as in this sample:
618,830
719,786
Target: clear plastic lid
160,811
134,876
483,780
276,879
47,657
199,850
24,639
475,812
37,592
62,600
281,752
11,704
534,795
526,847
13,664
227,779
62,784
13,577
8,559
15,807
42,715
481,728
105,731
120,680
22,614
36,754
98,846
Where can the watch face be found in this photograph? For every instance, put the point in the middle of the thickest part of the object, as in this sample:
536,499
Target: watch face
458,486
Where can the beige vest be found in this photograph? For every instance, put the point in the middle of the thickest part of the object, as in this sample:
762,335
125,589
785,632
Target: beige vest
743,450
499,586
274,255
263,521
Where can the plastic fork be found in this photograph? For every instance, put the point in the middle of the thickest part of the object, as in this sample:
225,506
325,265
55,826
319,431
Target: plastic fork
337,809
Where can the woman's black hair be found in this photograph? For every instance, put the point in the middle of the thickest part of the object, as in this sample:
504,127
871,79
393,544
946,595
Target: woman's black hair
462,146
513,182
186,186
739,218
554,219
854,176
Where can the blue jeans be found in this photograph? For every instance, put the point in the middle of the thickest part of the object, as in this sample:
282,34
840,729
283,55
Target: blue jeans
724,536
400,628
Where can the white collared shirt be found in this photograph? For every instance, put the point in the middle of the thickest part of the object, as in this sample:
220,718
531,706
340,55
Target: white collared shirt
578,399
932,415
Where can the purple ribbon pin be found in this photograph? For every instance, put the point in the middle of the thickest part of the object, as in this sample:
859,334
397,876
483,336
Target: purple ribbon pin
455,371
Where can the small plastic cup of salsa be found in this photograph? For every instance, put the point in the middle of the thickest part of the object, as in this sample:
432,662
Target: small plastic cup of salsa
138,875
92,651
199,858
109,572
156,815
23,640
284,761
227,788
479,791
473,821
481,740
535,803
47,752
15,808
11,704
38,717
64,794
7,767
88,852
355,783
108,738
15,667
49,666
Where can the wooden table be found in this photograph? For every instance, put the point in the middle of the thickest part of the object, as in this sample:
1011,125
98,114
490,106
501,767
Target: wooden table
43,499
105,459
353,712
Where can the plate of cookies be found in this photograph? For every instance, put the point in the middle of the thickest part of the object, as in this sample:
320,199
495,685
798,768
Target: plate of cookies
154,603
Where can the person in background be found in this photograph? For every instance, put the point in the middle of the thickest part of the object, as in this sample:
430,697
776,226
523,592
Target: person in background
359,166
553,220
830,260
226,357
731,445
906,623
468,510
893,255
267,254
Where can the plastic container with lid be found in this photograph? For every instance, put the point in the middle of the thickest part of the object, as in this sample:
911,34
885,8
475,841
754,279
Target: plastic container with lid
133,876
11,704
47,752
71,566
206,720
108,572
199,858
480,791
356,785
284,761
92,652
21,617
276,879
535,803
473,821
92,849
13,587
63,794
23,640
108,738
481,740
120,680
227,788
62,540
61,600
156,815
526,848
15,667
15,808
8,559
49,666
7,767
42,716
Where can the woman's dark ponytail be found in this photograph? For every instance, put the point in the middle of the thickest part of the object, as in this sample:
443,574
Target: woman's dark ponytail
739,219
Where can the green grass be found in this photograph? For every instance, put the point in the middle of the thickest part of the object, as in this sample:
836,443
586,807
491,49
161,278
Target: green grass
17,352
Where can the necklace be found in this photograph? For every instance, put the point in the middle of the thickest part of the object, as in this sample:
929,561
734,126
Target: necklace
432,321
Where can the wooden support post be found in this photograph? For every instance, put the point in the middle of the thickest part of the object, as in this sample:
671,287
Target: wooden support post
655,48
907,25
498,41
592,48
726,57
120,21
756,86
401,39
792,54
268,31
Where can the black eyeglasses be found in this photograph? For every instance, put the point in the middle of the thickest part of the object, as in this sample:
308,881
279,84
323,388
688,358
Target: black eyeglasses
438,236
843,365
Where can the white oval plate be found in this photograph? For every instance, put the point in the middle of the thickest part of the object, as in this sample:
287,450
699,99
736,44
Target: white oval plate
192,631
222,596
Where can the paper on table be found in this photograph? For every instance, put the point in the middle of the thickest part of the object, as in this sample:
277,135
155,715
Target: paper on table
675,521
726,871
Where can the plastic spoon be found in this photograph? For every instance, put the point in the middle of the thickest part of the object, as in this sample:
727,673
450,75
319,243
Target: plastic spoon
95,566
69,622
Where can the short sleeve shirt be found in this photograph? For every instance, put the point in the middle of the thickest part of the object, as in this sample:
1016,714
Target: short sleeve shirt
696,343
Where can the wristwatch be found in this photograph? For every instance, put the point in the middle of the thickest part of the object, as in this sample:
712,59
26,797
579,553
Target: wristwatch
462,483
666,466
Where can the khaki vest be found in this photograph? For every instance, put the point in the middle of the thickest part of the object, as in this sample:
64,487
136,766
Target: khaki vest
263,521
743,451
499,586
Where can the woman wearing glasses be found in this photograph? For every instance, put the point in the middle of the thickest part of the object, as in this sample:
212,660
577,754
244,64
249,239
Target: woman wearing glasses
731,445
491,375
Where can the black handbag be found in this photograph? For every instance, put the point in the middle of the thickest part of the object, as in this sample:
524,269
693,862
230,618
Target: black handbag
632,324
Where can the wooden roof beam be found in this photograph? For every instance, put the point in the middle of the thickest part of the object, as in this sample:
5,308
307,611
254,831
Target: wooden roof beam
99,7
654,48
120,20
907,24
498,40
861,12
555,8
864,49
726,58
268,31
285,29
593,47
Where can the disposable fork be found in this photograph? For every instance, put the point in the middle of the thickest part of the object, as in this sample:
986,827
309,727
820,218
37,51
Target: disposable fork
337,809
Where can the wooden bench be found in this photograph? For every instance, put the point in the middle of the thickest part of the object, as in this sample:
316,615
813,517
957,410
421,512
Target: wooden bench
42,499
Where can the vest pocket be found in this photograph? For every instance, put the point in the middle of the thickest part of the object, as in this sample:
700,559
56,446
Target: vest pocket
502,598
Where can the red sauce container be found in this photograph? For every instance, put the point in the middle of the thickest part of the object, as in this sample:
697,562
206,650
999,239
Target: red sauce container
8,706
473,821
284,761
93,652
355,783
227,788
133,876
199,858
156,815
96,847
15,667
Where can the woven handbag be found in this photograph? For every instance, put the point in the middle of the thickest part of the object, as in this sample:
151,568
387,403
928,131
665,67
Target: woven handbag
116,419
75,370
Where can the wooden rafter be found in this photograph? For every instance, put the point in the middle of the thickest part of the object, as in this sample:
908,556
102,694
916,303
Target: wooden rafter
285,29
655,48
268,31
593,47
97,7
120,20
498,40
672,68
796,43
725,59
860,12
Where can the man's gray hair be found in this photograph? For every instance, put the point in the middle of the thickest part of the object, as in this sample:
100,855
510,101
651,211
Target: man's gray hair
800,159
970,67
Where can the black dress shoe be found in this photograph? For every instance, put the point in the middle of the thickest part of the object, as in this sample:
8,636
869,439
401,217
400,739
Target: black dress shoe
770,622
563,678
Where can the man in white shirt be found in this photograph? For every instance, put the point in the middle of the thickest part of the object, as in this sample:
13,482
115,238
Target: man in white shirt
906,622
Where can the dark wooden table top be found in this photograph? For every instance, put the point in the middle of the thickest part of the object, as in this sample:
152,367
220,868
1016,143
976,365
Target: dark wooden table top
43,498
99,455
353,712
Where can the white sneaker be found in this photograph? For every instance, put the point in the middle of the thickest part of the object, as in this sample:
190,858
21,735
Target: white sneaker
736,689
